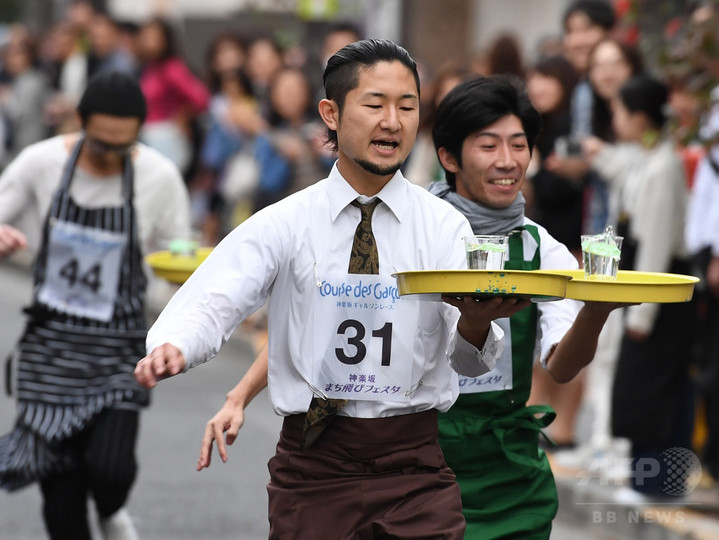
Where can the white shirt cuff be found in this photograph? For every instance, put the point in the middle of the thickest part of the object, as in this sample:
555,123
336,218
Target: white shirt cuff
468,360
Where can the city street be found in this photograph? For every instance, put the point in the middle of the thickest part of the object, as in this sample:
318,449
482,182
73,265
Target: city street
170,500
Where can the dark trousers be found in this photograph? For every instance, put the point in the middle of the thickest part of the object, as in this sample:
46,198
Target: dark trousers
364,479
105,452
706,353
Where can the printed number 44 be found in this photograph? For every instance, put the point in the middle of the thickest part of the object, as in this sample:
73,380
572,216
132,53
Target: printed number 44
90,279
356,340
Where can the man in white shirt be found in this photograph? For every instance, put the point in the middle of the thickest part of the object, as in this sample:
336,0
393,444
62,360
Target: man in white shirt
343,337
90,204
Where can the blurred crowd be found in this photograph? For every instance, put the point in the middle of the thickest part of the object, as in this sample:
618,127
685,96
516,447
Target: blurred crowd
245,133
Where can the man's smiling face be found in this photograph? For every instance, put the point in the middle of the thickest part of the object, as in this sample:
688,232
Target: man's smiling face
494,163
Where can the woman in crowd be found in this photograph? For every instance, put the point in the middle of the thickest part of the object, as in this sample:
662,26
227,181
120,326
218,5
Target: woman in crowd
227,174
22,100
648,193
291,153
557,199
175,96
610,64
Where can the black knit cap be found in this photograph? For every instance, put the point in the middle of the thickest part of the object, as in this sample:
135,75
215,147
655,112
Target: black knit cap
115,94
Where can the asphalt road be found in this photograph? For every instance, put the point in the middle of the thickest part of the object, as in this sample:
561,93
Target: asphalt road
170,500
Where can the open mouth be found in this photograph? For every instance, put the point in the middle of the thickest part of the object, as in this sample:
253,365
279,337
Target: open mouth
503,181
385,146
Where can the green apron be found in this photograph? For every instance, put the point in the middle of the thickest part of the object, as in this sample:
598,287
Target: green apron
490,439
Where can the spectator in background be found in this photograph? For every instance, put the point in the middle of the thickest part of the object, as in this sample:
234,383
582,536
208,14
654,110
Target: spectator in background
79,14
127,42
586,23
611,64
225,55
66,62
557,200
702,240
22,101
423,166
651,397
227,175
106,50
264,59
175,96
291,153
337,36
504,55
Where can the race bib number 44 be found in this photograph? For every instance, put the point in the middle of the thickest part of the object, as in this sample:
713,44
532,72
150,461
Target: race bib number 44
83,270
364,339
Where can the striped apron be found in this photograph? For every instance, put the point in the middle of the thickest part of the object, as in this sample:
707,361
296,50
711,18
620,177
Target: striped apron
85,331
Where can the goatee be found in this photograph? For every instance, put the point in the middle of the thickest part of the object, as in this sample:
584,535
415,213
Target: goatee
376,169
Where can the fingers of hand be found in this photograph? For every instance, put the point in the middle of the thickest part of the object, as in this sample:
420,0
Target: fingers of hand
218,430
11,240
143,373
206,447
164,361
234,428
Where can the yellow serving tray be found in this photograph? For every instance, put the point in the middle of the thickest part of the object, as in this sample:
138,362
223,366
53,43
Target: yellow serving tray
631,287
174,267
536,285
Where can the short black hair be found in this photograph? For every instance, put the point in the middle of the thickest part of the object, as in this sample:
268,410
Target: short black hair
646,94
342,72
599,12
477,103
113,93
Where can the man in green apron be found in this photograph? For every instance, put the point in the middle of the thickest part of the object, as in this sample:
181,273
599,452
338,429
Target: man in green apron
484,134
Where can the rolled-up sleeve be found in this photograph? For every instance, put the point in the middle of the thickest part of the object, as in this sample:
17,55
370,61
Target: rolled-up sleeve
466,359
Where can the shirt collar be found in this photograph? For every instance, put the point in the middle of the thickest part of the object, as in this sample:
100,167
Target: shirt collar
394,194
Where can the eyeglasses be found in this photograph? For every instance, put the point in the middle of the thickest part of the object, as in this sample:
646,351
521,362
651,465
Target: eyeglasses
102,147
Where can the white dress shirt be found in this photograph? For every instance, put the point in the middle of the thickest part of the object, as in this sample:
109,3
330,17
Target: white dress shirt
29,183
285,251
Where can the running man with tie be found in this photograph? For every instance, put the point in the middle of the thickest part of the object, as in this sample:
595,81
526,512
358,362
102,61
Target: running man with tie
358,373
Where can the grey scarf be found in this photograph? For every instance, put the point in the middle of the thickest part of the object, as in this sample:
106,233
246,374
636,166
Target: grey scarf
483,219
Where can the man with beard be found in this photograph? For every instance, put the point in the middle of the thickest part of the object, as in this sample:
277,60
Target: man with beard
345,351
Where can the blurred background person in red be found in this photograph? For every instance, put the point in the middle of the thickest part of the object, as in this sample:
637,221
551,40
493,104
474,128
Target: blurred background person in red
175,96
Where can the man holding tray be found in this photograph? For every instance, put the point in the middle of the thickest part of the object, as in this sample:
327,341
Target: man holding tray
346,353
484,133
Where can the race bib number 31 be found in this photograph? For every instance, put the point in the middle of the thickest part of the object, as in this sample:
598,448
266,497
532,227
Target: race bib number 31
364,339
82,271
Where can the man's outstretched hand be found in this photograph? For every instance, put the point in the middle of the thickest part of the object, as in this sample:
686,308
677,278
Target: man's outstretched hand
163,362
